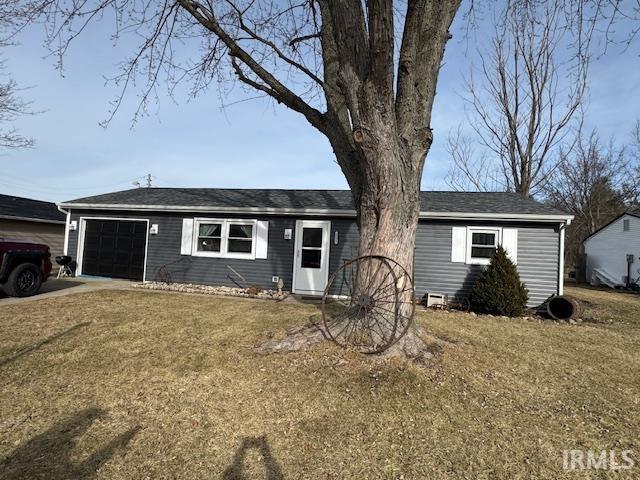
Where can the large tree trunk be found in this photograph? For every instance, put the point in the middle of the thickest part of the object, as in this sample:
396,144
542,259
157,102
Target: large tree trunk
387,200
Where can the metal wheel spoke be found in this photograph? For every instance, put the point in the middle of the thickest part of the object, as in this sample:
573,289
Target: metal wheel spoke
376,312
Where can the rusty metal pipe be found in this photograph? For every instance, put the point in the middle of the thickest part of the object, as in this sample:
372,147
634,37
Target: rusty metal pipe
563,307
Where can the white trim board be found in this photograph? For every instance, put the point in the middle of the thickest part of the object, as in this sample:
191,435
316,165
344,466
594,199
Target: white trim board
81,237
67,223
319,212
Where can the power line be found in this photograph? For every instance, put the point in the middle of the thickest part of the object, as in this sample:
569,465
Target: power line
53,189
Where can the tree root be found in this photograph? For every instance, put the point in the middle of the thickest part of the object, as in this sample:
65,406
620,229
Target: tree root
416,345
295,339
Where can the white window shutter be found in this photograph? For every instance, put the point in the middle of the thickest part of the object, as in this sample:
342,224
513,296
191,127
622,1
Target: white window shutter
187,236
458,244
510,243
262,238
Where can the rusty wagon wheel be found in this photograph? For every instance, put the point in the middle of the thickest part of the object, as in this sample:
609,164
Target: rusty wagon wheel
369,304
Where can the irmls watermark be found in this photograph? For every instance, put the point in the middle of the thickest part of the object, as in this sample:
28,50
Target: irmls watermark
612,460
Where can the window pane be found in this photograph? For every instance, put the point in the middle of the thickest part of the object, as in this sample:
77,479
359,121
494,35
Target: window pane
240,231
311,258
239,246
210,229
482,252
312,237
208,244
483,239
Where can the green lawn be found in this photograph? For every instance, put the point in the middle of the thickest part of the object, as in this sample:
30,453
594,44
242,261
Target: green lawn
133,384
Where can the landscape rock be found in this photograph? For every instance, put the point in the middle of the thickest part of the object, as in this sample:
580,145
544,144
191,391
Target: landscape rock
213,290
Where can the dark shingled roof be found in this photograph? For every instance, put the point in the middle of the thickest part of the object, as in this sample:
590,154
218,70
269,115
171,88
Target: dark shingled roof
441,202
11,206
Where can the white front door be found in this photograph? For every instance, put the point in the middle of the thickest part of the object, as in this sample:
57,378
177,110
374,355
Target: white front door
311,261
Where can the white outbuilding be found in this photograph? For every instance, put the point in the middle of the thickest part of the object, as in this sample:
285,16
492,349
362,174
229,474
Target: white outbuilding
613,251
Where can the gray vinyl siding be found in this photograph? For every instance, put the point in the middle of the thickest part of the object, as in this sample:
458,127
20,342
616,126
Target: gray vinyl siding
345,250
538,248
164,250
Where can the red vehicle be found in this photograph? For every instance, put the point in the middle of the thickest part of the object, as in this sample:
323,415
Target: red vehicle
23,267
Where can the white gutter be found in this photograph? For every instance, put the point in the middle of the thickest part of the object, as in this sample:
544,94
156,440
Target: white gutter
497,216
66,229
317,212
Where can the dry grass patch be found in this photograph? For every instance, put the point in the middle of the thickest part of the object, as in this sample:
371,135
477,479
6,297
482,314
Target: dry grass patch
130,384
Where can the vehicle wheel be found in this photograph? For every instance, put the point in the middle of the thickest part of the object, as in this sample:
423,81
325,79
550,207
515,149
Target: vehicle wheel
25,280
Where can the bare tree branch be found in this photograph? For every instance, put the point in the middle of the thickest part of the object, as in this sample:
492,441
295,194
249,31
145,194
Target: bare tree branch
11,108
520,109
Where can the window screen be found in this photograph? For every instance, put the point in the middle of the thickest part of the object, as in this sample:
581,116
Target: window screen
209,237
240,238
483,244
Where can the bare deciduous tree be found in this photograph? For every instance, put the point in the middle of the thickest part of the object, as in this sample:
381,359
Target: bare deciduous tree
470,169
362,73
11,107
593,183
523,98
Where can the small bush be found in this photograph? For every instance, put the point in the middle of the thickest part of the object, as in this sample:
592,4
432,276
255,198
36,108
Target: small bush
254,289
498,290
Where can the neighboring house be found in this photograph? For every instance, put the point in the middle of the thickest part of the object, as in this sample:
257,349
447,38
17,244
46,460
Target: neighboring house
612,251
210,236
28,220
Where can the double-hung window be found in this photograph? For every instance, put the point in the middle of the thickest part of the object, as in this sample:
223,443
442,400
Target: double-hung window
240,238
209,237
482,244
229,238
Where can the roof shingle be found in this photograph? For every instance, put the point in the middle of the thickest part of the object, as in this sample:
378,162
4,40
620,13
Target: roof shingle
432,201
28,208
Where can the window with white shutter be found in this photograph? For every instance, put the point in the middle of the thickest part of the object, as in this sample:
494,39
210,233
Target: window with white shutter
187,236
224,238
458,244
510,243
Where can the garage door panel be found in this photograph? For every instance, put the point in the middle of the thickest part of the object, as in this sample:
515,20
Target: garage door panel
107,243
93,228
124,243
115,248
125,229
140,228
108,226
138,244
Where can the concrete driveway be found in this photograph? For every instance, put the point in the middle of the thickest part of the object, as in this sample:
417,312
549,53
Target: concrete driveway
55,287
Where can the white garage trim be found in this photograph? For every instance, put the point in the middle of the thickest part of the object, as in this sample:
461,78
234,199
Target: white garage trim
81,235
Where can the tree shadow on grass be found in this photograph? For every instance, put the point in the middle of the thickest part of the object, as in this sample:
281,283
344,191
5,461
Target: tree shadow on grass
236,471
47,456
41,343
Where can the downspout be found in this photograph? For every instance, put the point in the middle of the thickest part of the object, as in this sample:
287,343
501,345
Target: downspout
66,228
563,227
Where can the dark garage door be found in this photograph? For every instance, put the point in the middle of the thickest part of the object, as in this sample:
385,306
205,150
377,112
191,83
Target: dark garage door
114,248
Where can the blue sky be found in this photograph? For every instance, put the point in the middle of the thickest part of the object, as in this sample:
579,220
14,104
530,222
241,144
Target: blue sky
253,144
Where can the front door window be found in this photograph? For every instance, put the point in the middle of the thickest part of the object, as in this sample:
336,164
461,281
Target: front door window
311,247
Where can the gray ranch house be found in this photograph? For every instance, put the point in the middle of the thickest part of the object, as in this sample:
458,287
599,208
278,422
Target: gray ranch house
210,236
